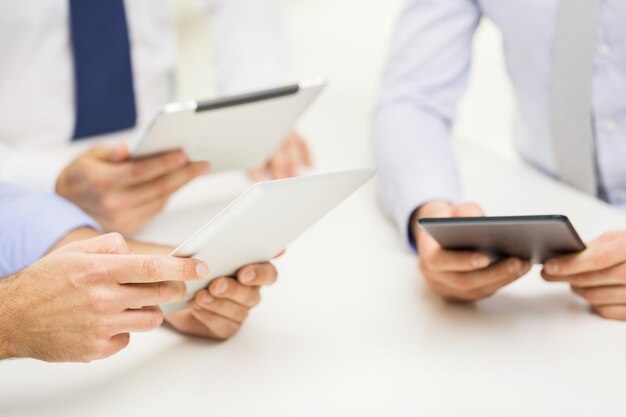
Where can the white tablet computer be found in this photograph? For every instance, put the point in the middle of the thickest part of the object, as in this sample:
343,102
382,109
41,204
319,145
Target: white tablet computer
263,220
238,132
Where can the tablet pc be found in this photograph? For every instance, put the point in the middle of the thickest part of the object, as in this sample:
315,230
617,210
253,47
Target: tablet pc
237,132
533,238
263,220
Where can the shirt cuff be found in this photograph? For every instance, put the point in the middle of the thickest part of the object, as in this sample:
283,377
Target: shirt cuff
30,224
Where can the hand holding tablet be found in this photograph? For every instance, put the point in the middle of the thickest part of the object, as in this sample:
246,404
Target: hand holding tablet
263,220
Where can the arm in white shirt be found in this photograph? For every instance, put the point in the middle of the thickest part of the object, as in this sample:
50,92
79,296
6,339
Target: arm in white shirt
248,43
36,170
426,74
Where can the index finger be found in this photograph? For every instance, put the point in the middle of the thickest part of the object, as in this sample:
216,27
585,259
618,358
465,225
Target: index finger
140,171
137,269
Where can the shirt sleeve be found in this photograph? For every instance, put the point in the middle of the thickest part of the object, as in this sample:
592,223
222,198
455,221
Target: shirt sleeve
30,224
248,44
36,169
425,76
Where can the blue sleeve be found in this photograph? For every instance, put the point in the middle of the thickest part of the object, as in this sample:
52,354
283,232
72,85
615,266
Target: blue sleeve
31,223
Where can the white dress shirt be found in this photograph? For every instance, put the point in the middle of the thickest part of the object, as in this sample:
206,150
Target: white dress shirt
37,111
426,74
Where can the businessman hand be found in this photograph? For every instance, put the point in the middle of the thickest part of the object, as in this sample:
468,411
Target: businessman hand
461,275
219,311
121,194
81,301
293,154
598,274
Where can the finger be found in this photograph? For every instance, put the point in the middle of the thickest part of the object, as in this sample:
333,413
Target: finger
602,253
110,154
484,281
277,165
439,260
228,288
612,312
257,174
143,170
217,326
137,320
114,345
305,152
142,295
165,186
225,308
257,275
603,296
468,210
152,268
610,276
110,243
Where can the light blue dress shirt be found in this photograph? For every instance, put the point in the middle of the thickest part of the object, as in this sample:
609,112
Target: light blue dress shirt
427,72
30,224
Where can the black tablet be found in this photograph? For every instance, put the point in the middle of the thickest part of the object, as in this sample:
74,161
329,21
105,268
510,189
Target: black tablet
534,238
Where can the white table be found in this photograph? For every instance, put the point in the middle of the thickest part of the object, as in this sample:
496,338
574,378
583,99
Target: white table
350,330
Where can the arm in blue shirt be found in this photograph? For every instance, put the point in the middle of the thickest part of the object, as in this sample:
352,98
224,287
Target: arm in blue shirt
30,224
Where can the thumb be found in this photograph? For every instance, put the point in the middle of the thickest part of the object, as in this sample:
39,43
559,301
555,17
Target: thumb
111,154
108,244
468,210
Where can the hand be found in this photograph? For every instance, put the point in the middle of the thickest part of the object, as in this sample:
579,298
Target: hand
598,274
219,311
121,194
461,275
293,153
80,302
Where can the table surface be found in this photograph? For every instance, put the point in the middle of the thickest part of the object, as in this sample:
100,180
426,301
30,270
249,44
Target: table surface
351,330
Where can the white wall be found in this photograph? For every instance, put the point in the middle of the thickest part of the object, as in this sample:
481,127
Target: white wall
346,41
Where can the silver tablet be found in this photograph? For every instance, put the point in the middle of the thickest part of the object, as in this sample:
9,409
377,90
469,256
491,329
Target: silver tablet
238,132
263,220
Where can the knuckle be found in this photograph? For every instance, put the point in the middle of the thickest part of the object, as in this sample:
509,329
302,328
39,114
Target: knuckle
137,170
150,268
600,257
117,240
99,302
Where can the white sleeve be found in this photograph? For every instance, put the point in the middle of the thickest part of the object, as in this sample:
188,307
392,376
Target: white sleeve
248,44
426,73
36,170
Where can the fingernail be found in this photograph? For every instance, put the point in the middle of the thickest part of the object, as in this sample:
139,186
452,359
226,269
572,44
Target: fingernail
204,167
248,276
222,287
207,298
515,266
551,267
480,261
196,306
202,271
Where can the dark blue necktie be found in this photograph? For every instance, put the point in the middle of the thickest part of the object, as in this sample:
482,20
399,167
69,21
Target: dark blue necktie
105,99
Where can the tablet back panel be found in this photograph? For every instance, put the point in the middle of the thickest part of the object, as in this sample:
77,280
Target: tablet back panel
535,238
232,133
263,220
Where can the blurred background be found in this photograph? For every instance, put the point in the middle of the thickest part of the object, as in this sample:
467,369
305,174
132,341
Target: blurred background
346,41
